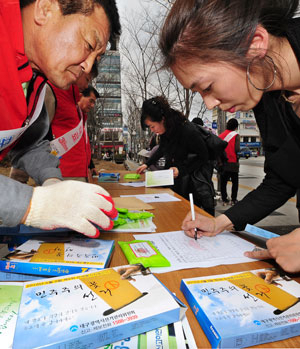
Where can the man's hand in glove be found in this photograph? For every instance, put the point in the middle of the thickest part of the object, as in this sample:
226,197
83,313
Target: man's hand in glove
72,204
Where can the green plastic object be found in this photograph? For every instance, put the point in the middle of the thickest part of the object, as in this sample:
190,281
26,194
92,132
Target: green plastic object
122,210
124,215
132,176
139,215
144,252
119,221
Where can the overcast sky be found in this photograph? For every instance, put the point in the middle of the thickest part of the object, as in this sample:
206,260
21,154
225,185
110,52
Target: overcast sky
128,5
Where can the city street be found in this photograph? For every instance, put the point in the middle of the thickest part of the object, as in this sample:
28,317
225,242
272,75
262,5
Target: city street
281,221
251,174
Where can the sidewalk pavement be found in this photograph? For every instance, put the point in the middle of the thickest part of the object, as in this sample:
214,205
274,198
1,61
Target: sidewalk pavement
281,221
131,165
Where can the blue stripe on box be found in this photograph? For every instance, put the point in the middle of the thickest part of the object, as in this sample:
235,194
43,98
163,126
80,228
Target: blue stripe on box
260,232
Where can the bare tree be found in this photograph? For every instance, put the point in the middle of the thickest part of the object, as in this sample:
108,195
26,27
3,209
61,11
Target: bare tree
165,3
202,110
142,76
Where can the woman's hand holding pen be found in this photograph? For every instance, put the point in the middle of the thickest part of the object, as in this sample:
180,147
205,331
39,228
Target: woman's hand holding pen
206,226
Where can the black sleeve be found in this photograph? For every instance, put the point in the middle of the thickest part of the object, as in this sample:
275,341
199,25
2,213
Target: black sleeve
267,197
91,165
194,143
155,156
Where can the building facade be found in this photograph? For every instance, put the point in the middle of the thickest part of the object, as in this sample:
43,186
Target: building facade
108,109
248,130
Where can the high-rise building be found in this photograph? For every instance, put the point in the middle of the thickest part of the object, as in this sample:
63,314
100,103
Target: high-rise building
108,109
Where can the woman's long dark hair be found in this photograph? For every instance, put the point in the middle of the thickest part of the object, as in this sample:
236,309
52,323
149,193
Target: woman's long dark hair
157,109
220,30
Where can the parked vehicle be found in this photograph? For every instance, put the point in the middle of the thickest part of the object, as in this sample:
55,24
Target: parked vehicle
254,153
244,153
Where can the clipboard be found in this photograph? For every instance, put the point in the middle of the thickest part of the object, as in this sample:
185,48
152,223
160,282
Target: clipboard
132,203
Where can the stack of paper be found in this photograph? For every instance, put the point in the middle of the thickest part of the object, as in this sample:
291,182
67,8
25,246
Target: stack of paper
184,252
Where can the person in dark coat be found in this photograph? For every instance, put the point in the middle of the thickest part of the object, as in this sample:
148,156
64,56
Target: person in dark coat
184,150
241,55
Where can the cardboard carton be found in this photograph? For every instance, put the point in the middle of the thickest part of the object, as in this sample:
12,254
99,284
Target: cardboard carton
244,309
93,309
58,257
10,296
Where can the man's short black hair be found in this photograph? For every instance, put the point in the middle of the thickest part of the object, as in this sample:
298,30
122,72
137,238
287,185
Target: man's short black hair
232,124
89,90
86,7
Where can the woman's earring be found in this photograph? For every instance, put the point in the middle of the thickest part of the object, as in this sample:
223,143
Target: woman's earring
274,73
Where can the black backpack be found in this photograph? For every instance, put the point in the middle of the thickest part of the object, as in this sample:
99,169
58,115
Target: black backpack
215,145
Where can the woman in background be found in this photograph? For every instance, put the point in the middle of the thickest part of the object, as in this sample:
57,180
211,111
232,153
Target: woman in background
183,148
242,55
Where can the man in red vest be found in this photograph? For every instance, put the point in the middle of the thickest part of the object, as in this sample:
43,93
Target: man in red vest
231,167
69,124
68,133
53,40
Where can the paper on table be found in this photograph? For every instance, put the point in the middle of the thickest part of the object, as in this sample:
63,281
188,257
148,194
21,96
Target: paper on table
184,252
159,178
134,184
159,197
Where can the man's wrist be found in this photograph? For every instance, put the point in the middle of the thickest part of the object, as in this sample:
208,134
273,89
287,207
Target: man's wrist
23,220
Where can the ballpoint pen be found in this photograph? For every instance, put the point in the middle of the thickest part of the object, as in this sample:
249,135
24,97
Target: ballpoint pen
193,213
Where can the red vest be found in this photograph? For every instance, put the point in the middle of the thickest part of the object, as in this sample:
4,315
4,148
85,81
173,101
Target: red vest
15,70
230,149
75,162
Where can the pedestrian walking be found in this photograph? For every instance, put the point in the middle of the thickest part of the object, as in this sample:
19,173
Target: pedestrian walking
230,169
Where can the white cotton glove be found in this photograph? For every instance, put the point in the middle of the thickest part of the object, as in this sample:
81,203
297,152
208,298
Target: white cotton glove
71,204
51,181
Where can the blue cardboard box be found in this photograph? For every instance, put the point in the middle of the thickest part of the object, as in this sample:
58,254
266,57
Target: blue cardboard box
54,257
108,177
92,309
244,309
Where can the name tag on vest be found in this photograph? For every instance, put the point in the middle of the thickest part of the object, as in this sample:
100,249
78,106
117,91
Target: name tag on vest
10,136
64,143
